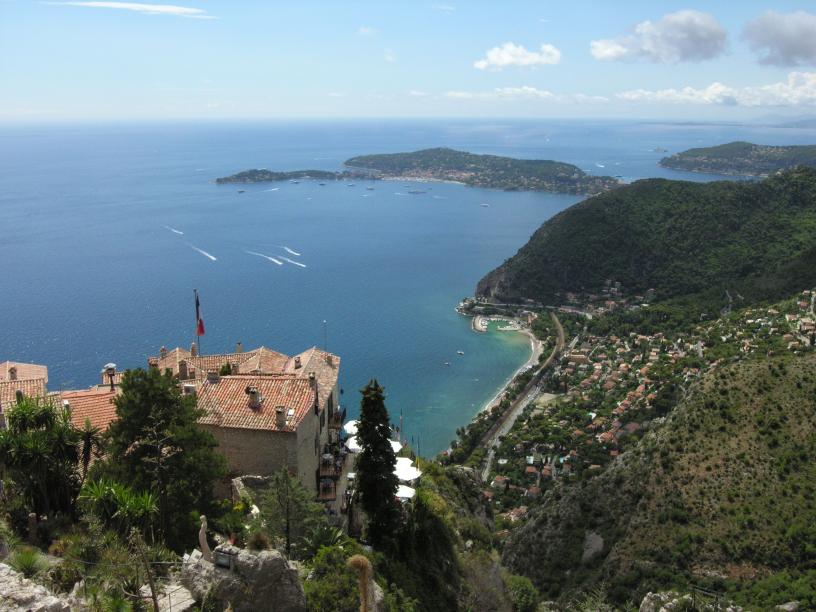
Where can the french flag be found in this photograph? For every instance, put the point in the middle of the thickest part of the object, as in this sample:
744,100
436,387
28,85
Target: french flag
199,320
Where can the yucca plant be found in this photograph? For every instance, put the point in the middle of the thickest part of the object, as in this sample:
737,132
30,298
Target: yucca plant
28,561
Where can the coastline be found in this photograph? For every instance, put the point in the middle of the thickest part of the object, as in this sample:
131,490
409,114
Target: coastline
536,349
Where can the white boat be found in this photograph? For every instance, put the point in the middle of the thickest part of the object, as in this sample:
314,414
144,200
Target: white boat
460,352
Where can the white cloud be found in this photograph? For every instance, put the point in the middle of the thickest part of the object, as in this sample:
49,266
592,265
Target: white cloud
784,40
390,57
336,94
366,31
524,91
798,90
682,36
510,54
418,94
149,9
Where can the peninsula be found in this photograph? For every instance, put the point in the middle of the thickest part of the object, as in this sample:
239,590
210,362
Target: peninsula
742,159
442,164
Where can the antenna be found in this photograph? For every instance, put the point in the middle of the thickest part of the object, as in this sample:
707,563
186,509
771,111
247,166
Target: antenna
325,335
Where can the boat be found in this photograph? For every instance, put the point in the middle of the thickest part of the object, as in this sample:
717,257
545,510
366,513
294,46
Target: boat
460,352
447,363
322,184
350,184
416,191
485,205
241,190
295,182
370,188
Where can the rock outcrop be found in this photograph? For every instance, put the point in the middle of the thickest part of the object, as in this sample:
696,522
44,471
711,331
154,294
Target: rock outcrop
254,582
19,594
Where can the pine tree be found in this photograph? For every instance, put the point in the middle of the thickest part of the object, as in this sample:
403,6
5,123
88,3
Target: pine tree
156,445
377,483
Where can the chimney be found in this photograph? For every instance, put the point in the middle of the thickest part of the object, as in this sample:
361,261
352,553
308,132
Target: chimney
239,348
254,397
280,417
213,378
297,362
190,389
162,353
193,350
12,373
66,406
182,370
329,358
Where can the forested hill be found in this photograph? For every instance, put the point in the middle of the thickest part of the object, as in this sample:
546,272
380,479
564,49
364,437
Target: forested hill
742,158
490,171
676,237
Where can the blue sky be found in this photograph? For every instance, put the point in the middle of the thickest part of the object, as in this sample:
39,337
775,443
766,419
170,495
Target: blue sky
218,59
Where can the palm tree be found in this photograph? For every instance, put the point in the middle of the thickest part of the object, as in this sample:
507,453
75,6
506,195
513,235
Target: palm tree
90,446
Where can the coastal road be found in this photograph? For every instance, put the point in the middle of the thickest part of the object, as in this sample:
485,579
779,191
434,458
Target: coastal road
529,393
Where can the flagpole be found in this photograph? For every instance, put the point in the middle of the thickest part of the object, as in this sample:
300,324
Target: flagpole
197,338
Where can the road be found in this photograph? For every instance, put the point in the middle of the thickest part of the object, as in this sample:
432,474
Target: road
530,392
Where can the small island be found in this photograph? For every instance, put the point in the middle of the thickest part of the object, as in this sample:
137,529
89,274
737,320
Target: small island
742,159
442,164
263,175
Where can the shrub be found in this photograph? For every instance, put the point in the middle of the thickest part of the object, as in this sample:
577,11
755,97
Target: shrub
28,561
522,593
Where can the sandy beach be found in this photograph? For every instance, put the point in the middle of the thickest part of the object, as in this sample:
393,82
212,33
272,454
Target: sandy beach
536,349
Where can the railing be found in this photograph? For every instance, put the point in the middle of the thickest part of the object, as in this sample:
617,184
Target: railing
328,469
337,418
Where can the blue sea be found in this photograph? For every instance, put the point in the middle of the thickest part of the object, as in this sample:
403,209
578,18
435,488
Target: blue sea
108,228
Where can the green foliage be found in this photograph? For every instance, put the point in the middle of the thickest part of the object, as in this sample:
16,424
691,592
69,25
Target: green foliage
289,511
156,445
39,451
331,586
522,593
377,484
28,561
742,158
322,536
486,170
119,507
680,238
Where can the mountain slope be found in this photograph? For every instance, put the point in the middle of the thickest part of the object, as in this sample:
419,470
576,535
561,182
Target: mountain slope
677,237
720,494
742,158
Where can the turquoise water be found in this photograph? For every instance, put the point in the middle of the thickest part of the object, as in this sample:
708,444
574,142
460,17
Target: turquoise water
92,273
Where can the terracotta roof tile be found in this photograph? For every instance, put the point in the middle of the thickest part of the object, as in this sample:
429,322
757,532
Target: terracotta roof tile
31,388
95,405
226,402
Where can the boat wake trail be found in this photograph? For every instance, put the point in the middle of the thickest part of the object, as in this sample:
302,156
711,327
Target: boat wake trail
204,253
174,230
272,259
297,263
273,189
290,251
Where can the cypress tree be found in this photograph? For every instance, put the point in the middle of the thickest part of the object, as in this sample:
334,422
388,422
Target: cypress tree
377,483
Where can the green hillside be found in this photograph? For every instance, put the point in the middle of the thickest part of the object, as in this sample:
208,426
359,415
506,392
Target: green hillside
720,495
742,158
486,171
676,237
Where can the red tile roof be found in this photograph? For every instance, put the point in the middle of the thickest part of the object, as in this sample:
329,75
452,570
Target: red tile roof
95,405
226,402
31,388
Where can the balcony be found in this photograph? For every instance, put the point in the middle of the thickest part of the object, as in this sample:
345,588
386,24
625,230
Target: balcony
329,467
337,418
327,491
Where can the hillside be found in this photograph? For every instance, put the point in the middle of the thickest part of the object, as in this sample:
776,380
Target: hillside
676,237
263,175
490,171
742,158
719,494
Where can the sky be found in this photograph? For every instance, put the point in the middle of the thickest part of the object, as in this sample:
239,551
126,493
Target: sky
214,59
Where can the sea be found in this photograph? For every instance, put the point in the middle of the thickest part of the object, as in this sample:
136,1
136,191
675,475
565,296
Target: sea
108,228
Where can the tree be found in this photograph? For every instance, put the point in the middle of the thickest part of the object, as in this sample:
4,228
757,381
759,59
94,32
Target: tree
377,483
156,445
90,445
289,510
39,451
